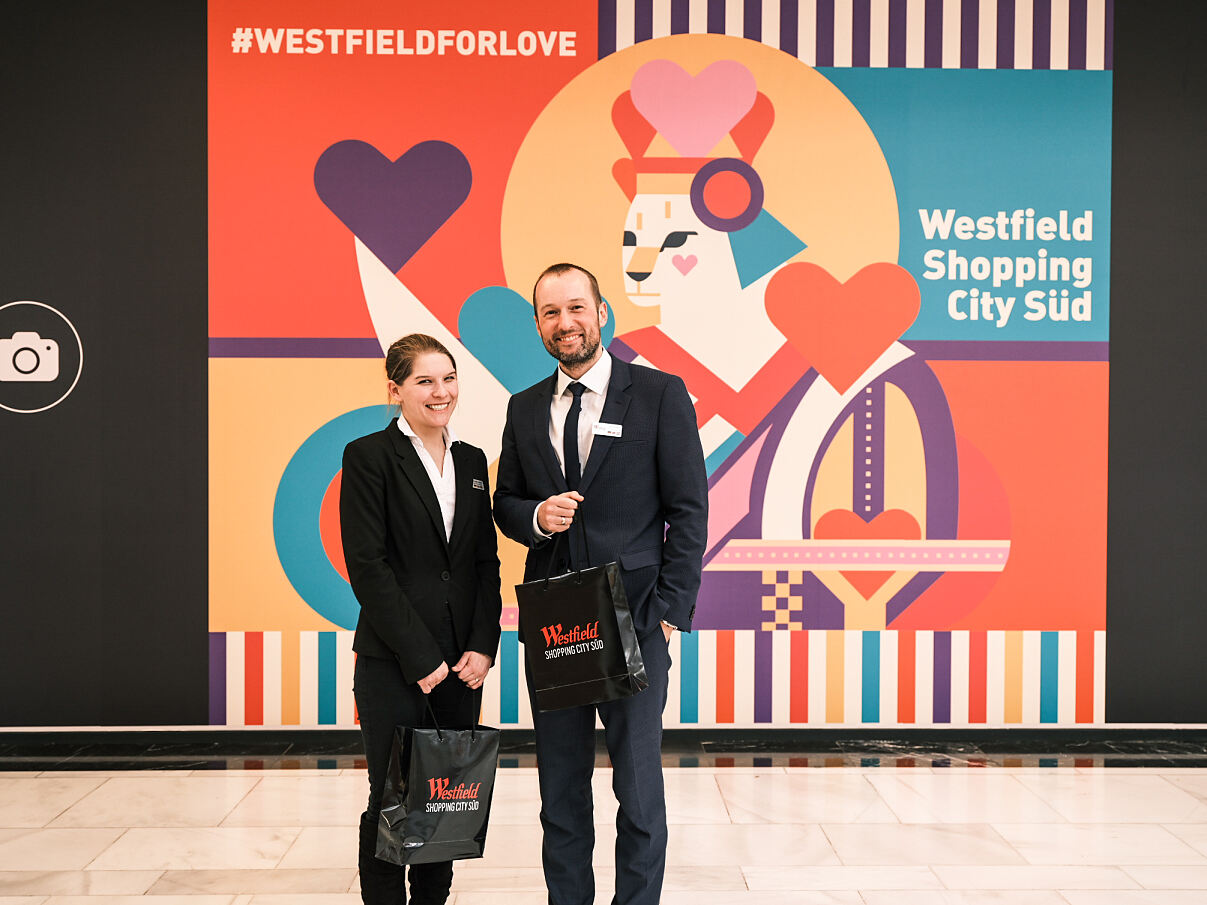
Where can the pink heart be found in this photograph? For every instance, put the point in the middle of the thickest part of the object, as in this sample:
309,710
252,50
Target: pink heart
682,264
693,112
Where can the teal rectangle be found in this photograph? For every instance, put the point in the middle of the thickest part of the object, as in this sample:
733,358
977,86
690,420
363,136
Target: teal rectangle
326,679
871,677
689,677
509,677
1049,677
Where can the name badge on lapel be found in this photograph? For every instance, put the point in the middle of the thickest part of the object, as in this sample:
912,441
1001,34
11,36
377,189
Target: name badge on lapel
603,429
479,485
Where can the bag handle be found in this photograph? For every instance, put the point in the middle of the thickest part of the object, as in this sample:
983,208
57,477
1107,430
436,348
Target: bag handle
475,703
557,539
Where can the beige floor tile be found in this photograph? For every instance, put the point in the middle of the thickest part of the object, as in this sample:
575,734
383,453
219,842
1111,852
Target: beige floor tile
140,900
468,878
235,882
307,899
77,882
1193,834
159,801
1133,897
197,848
52,849
964,897
1098,843
33,801
1132,797
748,897
323,847
984,876
753,845
962,796
22,900
861,878
893,844
302,801
816,797
1170,877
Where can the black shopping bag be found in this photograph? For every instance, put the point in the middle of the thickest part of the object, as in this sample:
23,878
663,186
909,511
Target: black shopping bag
579,638
436,802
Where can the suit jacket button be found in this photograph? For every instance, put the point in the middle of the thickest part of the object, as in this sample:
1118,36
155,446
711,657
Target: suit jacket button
444,576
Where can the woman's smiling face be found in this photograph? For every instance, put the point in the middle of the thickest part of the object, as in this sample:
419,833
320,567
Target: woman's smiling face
428,395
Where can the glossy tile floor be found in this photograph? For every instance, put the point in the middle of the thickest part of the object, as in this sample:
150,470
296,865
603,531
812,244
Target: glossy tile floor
745,828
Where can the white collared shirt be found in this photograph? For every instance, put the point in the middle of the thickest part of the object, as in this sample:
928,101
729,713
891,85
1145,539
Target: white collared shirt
596,381
444,479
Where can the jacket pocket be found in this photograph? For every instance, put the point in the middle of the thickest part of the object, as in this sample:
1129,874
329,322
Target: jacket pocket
632,560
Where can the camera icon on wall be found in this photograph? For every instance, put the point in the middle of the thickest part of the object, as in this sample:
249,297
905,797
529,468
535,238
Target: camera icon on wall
27,356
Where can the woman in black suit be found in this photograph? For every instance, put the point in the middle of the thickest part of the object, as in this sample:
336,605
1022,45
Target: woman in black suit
423,561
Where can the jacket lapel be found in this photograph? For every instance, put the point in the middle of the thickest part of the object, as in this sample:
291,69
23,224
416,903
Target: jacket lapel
465,489
616,403
540,424
417,475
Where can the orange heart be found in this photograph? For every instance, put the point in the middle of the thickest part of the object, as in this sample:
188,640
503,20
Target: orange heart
842,328
843,524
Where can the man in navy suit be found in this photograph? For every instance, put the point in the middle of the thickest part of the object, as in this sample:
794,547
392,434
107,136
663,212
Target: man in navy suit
613,449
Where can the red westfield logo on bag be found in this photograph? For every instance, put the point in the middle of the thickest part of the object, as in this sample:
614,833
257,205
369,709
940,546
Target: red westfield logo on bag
441,790
555,636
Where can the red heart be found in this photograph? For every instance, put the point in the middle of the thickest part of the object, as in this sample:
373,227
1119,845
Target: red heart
843,524
842,328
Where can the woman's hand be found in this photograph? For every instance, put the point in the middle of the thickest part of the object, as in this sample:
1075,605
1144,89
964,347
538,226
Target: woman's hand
472,668
427,683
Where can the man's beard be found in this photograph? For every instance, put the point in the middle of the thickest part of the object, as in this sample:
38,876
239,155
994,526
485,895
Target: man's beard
585,353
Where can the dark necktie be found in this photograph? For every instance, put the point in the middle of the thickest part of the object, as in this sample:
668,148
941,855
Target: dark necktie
570,437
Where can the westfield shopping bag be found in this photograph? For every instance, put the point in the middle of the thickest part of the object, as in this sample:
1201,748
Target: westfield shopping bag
579,637
436,802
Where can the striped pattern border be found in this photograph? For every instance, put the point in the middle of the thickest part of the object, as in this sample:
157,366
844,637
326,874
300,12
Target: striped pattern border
914,34
725,679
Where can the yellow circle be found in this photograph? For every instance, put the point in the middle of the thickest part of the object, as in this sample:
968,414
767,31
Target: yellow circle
823,172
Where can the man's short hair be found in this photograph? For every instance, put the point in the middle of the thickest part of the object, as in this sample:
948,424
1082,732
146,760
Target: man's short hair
557,270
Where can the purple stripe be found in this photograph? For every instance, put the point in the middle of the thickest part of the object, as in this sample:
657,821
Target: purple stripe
896,33
217,678
933,54
716,17
607,28
680,17
942,711
1077,33
825,32
752,20
1005,34
861,33
1009,350
789,25
292,347
643,24
762,677
970,31
1109,49
1041,41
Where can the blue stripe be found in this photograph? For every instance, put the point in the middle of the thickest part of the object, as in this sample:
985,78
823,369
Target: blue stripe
327,678
509,677
689,677
718,456
871,677
1049,677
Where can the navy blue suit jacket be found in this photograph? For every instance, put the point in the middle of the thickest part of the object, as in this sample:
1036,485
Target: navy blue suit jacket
645,492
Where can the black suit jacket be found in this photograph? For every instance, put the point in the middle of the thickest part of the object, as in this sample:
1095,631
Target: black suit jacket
645,492
405,574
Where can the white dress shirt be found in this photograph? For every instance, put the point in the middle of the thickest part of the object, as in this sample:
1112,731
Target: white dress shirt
444,479
596,381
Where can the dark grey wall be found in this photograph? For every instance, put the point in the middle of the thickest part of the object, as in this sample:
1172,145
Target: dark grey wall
102,499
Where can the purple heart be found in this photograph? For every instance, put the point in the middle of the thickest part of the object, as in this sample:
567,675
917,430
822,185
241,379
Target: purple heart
392,206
